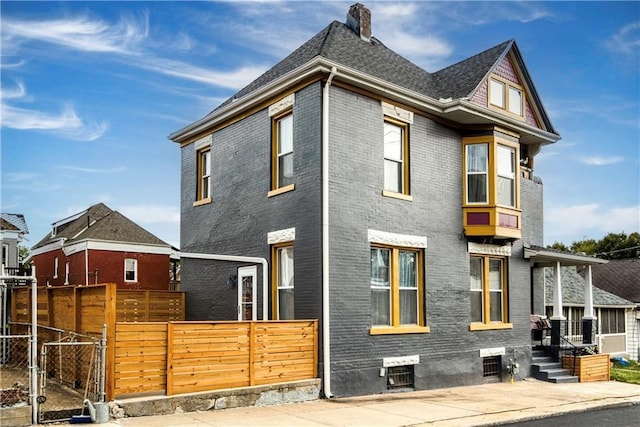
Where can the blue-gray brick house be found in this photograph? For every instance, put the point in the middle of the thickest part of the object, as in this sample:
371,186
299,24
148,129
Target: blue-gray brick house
392,204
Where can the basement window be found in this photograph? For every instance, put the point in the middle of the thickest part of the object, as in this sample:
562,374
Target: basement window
400,378
491,366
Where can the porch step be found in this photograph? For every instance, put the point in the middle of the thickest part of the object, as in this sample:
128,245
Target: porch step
546,368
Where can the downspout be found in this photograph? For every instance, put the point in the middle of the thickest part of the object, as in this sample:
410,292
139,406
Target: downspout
247,259
86,264
326,332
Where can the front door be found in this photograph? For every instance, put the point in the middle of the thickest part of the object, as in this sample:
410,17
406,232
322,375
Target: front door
247,277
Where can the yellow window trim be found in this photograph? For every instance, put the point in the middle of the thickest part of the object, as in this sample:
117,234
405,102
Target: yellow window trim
395,195
392,330
275,265
489,326
281,190
507,84
274,146
486,295
202,201
405,153
492,172
394,262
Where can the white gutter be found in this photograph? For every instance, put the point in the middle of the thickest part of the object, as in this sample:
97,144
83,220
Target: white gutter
247,259
86,265
326,332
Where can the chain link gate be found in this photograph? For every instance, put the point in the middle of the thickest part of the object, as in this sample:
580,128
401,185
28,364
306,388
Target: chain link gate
71,370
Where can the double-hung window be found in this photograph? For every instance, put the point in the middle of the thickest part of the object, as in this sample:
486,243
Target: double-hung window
488,292
506,176
396,151
130,270
282,146
477,173
203,170
396,290
284,143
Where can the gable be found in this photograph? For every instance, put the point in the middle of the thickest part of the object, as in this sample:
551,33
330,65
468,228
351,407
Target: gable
505,71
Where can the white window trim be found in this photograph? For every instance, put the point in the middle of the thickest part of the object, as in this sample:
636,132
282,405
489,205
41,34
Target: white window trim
398,240
281,236
281,105
487,249
135,270
55,267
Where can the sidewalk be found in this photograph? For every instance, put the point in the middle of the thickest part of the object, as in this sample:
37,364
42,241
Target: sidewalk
460,406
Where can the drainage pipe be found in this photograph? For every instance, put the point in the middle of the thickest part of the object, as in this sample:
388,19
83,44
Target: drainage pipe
247,259
326,332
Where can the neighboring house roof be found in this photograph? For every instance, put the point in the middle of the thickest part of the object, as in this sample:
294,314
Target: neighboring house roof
14,222
620,277
99,223
339,44
572,285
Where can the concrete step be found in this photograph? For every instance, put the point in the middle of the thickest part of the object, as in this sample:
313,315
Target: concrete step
541,359
544,366
564,379
548,374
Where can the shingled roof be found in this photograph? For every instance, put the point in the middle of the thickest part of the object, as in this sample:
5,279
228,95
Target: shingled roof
99,222
620,277
14,222
572,285
339,43
365,60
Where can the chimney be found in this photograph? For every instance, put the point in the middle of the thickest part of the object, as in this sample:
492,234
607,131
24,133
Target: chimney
359,20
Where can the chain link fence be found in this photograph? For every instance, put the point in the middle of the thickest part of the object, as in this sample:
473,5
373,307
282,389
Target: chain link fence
14,370
71,370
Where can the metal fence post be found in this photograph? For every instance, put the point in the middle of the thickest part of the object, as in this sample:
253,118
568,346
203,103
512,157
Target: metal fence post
103,364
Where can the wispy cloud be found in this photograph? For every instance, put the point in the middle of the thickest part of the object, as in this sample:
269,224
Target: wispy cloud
234,79
590,219
626,40
600,160
93,170
27,181
82,33
65,123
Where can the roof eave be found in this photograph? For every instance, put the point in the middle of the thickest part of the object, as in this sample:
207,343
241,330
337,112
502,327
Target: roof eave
543,258
273,88
465,106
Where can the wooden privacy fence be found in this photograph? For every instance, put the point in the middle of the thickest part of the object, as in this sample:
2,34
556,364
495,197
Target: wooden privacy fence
186,357
84,309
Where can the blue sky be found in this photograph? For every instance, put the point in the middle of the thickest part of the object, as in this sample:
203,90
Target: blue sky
91,90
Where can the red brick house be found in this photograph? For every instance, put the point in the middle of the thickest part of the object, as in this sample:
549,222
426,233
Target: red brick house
99,245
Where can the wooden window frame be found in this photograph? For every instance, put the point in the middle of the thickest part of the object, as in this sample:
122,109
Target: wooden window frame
275,277
203,195
486,323
276,187
492,170
506,98
404,192
394,278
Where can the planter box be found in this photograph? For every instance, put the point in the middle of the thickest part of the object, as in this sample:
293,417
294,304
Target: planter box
588,368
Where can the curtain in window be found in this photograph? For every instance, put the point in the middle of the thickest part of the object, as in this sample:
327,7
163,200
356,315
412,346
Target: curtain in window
476,289
408,288
495,290
285,285
380,287
477,155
